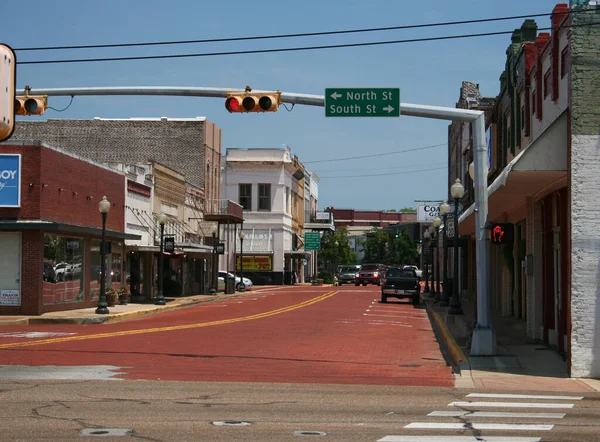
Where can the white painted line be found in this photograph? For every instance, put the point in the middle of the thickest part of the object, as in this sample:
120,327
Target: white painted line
393,316
525,396
497,414
458,439
34,335
508,404
394,324
479,426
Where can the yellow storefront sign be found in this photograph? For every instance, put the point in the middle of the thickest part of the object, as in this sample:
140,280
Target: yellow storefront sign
253,263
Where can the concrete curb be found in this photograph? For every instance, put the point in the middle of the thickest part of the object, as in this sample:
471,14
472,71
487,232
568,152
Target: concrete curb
459,359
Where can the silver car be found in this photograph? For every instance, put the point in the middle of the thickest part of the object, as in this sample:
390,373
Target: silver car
346,274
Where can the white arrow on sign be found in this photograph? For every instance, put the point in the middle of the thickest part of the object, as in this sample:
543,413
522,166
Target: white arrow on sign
388,108
335,95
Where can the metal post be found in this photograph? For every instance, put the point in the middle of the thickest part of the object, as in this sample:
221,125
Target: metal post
484,337
455,306
241,286
445,299
426,267
437,265
432,291
102,308
213,282
160,299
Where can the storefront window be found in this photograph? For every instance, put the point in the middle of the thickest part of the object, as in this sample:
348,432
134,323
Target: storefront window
113,261
63,269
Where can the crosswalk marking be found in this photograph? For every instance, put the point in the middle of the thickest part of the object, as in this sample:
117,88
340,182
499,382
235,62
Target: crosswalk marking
509,404
510,414
525,396
458,439
479,426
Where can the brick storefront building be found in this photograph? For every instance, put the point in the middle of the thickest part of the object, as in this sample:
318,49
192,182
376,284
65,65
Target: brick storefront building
54,222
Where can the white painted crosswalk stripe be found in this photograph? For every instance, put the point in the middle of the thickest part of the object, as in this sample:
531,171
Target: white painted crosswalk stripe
508,404
524,396
458,439
479,426
510,414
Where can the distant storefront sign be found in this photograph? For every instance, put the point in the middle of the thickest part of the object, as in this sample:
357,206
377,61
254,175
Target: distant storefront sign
10,297
256,263
322,216
10,180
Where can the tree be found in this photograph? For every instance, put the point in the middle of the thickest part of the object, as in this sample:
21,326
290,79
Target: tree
407,209
335,250
383,247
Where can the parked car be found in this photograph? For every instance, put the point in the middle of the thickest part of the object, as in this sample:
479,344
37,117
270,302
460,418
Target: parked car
417,271
63,271
401,283
346,274
247,282
369,274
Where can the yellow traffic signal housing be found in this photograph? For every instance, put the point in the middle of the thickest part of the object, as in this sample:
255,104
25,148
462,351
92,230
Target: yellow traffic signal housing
31,104
253,101
8,73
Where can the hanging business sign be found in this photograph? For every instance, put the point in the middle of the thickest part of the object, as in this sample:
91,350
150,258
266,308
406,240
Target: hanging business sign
10,180
502,233
169,244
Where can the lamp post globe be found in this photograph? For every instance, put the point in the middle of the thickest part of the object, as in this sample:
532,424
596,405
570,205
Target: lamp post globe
457,190
472,171
445,208
102,308
241,286
160,299
437,222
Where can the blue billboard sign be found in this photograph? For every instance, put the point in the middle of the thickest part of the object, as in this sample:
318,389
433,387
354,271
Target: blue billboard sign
10,180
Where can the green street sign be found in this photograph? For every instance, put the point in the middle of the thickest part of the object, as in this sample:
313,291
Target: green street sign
362,102
312,241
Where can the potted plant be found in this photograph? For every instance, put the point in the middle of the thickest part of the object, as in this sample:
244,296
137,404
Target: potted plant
123,295
111,297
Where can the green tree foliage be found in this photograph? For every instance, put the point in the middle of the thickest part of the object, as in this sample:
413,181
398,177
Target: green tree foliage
407,209
335,250
384,248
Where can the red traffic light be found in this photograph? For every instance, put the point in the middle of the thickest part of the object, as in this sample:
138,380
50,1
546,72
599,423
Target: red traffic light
253,101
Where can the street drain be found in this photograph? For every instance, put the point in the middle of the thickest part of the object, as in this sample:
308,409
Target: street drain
106,432
310,433
231,423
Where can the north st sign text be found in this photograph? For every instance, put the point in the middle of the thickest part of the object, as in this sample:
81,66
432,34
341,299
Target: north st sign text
362,102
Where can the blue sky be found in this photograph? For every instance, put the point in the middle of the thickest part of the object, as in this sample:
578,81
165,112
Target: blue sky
426,72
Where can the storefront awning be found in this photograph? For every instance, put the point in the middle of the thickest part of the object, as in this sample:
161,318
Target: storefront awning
39,224
539,169
297,253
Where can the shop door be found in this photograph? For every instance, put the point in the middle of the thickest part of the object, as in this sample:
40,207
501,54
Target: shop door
560,333
10,269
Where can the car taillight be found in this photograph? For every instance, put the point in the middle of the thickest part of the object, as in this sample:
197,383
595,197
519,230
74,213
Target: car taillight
375,274
357,275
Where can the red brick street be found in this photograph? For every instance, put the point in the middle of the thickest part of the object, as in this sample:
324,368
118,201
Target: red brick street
286,334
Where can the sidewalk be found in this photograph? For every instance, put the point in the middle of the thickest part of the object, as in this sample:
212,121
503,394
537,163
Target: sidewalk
521,363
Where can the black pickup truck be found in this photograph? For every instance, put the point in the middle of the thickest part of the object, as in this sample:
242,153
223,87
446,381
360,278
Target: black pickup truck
401,283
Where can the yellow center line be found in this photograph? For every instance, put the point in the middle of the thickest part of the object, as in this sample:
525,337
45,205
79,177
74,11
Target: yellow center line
171,328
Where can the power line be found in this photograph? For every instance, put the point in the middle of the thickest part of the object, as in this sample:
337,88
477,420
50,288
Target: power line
385,174
275,36
376,168
277,50
375,154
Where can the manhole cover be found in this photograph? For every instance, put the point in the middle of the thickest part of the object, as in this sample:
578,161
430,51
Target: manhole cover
106,432
231,423
310,433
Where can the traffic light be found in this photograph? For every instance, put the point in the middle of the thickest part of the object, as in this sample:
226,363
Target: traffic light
503,233
253,101
8,72
31,104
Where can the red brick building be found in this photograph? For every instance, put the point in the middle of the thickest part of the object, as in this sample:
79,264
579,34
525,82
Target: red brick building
369,218
50,228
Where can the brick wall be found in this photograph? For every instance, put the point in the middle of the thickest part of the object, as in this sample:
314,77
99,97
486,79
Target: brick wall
178,144
60,187
585,182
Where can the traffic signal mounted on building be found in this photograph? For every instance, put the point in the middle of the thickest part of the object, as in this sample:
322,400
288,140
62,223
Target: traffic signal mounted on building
31,104
253,101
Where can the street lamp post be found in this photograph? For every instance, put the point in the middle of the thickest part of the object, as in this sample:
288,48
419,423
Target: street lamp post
432,254
102,309
456,191
444,211
160,299
426,270
213,278
241,285
437,222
